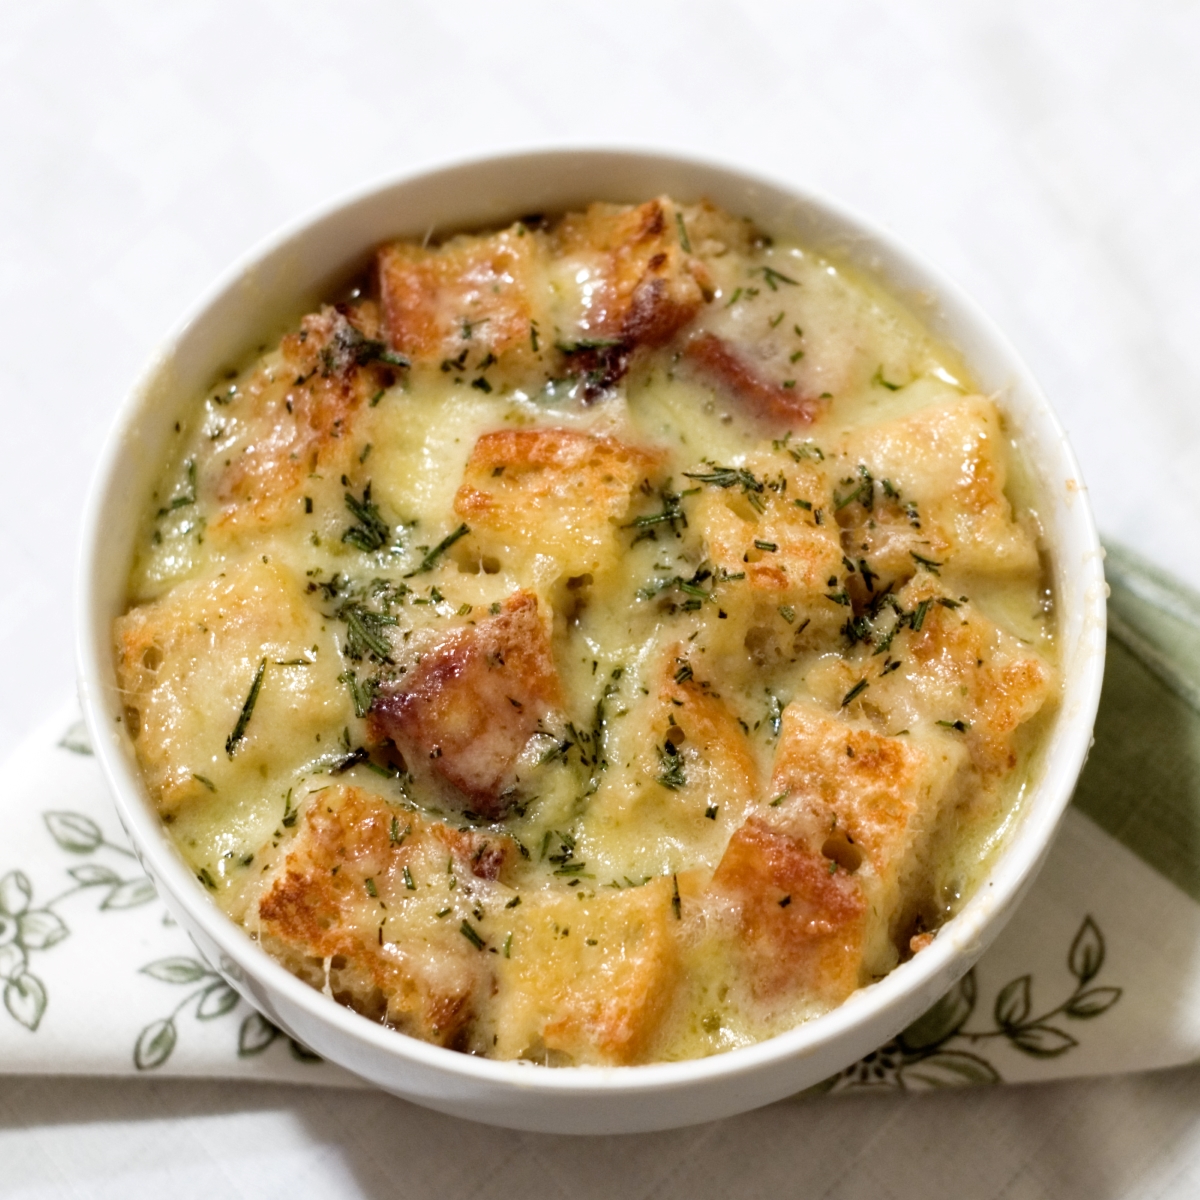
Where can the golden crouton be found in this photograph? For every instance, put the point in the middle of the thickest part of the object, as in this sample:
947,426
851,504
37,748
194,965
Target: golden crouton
590,980
468,708
472,304
296,419
767,528
552,491
796,928
863,800
646,286
187,664
356,890
931,486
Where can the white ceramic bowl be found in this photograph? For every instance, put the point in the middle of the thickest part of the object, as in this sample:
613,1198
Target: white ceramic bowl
278,282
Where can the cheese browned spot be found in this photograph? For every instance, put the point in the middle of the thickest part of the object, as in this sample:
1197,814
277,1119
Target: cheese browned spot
552,491
357,878
466,711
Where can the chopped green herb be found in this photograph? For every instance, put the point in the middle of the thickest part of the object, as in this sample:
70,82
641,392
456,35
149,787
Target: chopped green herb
927,563
684,673
205,877
787,612
289,813
208,783
468,931
375,399
856,690
711,812
508,946
774,322
239,730
959,726
427,563
785,901
361,693
481,385
676,904
779,800
408,879
864,492
760,545
672,775
187,496
683,237
533,335
587,344
727,477
878,378
371,532
916,618
364,631
804,504
513,902
774,278
372,890
734,298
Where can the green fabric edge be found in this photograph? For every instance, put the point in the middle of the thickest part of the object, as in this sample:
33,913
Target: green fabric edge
1141,783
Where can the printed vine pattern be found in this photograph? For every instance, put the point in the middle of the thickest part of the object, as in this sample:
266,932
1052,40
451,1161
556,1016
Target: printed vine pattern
938,1050
210,997
27,928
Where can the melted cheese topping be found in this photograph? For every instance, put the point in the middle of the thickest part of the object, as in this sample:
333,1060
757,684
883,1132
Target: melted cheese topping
600,642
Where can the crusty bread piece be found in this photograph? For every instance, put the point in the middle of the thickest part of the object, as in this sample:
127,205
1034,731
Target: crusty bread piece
947,465
297,417
473,303
793,927
351,907
865,801
590,980
465,712
552,491
186,664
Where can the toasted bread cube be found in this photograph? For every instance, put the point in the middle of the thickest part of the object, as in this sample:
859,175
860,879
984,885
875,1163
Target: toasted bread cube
962,667
865,801
554,492
643,287
187,662
794,928
691,780
295,417
463,715
473,303
946,468
590,980
350,907
780,545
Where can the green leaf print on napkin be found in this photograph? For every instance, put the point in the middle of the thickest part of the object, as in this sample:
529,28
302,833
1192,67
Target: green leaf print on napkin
26,928
933,1051
213,998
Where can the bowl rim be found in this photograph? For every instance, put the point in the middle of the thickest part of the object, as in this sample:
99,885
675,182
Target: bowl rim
950,954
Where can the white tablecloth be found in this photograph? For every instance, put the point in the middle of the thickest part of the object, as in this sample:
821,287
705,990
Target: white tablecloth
1046,154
